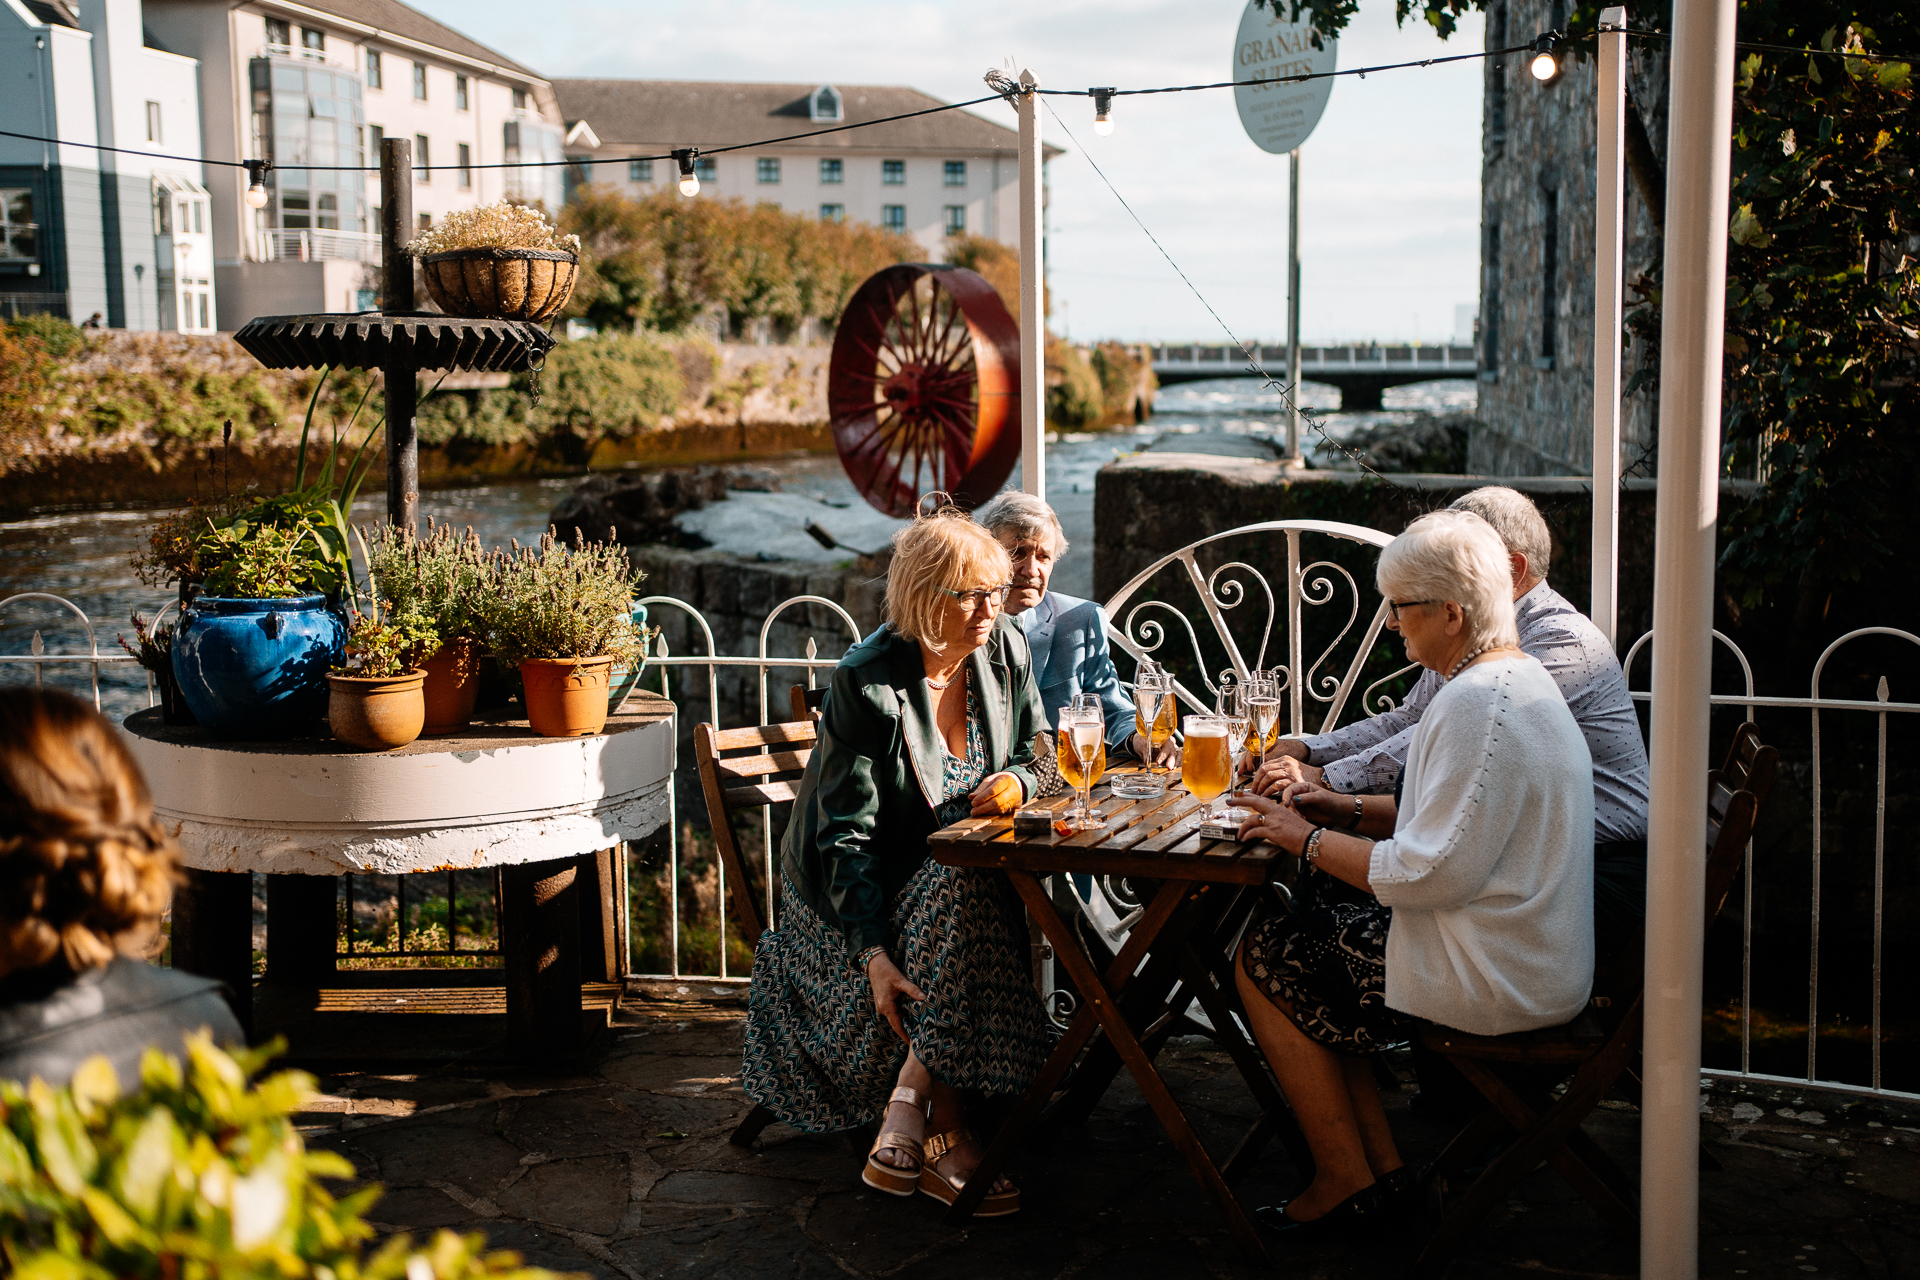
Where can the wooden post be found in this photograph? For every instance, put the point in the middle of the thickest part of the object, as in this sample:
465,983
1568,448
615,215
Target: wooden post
1608,248
213,934
540,935
1033,302
396,228
1693,318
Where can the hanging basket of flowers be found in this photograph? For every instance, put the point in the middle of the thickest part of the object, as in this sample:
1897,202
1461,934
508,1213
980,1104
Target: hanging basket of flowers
498,262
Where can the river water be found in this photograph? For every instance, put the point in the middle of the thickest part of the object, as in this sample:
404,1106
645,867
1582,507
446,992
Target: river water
84,557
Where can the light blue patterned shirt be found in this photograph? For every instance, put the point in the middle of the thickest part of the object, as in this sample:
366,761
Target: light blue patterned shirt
1369,756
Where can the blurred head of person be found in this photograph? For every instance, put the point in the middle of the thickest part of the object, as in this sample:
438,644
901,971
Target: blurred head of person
1030,531
86,870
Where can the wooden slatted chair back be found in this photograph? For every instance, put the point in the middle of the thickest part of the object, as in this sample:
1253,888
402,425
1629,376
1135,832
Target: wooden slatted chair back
806,703
742,769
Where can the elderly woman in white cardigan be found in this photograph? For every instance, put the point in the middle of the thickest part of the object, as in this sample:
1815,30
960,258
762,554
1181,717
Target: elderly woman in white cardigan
1465,900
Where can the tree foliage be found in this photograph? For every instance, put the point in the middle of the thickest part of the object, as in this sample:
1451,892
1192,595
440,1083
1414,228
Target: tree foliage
664,261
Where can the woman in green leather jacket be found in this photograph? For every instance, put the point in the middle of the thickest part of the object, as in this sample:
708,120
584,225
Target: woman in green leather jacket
893,982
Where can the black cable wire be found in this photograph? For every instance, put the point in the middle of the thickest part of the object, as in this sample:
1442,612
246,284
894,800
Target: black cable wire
1753,46
1362,72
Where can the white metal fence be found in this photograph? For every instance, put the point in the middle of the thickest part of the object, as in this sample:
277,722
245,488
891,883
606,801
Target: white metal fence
1220,584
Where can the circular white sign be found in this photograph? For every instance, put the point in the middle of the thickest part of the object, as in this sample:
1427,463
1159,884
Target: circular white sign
1278,117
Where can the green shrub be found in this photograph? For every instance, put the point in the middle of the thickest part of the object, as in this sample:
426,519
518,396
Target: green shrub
609,387
55,335
1074,398
193,1173
443,577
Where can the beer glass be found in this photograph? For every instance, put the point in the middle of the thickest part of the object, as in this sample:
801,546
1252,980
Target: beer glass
1082,738
1263,708
1206,762
1153,713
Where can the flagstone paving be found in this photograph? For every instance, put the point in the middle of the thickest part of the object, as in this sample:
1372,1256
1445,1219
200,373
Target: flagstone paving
623,1169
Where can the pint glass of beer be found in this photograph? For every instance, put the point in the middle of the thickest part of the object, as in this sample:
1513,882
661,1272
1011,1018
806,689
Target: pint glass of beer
1206,767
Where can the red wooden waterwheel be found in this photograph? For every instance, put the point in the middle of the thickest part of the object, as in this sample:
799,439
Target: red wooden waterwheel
924,388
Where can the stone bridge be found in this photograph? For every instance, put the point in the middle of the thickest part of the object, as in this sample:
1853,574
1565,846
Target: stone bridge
1361,372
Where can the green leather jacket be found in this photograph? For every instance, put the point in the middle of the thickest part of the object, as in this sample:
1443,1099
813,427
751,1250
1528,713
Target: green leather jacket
866,804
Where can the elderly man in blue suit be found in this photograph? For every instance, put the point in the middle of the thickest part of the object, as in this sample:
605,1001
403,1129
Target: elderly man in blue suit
1068,635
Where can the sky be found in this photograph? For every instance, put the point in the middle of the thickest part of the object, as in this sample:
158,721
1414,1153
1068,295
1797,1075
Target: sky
1390,205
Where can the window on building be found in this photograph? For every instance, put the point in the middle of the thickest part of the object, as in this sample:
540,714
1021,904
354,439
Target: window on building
305,115
422,160
19,233
459,93
1549,276
706,168
466,166
376,134
893,173
1490,305
153,122
825,103
296,211
1497,75
204,299
767,168
425,222
326,211
956,219
519,99
279,35
373,69
833,213
833,172
510,138
199,217
639,171
955,173
893,217
313,43
420,82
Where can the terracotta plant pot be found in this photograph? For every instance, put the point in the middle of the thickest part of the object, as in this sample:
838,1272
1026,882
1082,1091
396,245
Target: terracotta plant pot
566,697
376,712
453,684
501,284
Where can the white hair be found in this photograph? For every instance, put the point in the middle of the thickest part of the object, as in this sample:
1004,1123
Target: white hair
1454,556
1025,515
1517,521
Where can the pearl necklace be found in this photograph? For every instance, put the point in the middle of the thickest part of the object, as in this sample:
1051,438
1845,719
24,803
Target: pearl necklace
1458,666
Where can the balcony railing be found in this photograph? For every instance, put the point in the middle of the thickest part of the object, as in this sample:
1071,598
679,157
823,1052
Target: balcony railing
317,245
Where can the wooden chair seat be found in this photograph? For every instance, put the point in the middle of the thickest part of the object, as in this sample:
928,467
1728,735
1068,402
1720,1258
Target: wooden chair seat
1596,1053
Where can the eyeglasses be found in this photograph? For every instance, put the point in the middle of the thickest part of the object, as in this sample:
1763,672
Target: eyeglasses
1395,606
979,596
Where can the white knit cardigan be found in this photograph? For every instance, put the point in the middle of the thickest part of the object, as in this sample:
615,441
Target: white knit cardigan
1490,867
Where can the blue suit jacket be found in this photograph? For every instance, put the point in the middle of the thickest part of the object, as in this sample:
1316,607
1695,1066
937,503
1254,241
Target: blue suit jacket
1068,637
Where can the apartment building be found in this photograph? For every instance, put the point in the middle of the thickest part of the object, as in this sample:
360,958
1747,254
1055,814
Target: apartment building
929,177
84,231
314,88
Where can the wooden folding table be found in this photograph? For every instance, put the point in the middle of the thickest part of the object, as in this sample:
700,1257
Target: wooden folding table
1176,952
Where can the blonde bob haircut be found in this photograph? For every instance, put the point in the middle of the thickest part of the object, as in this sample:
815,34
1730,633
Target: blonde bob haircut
1454,556
939,552
85,868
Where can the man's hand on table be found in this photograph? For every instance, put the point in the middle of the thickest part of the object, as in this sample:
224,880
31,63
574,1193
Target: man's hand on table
997,794
1168,756
1286,764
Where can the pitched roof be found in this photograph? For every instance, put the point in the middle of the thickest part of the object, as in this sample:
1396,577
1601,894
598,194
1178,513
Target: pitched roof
393,18
660,114
55,13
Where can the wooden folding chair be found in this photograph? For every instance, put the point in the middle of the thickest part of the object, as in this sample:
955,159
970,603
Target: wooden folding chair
806,702
1600,1049
743,769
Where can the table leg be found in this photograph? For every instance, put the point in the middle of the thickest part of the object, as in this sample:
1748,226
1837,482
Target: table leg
540,938
1276,1117
213,934
302,925
599,888
1184,1139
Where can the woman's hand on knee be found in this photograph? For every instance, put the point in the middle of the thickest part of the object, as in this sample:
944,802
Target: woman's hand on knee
889,984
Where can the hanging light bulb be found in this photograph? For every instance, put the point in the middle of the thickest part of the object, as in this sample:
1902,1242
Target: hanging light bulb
689,181
1546,62
1102,110
256,183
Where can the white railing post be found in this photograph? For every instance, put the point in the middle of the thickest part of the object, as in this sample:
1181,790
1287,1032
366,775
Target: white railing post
1033,312
1608,243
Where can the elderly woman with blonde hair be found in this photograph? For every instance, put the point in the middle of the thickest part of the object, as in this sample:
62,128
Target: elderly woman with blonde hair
86,871
892,982
1466,900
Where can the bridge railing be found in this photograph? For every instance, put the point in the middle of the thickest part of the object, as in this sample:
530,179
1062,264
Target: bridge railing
1357,357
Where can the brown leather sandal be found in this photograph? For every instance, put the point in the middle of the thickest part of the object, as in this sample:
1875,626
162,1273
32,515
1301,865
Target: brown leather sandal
884,1177
946,1189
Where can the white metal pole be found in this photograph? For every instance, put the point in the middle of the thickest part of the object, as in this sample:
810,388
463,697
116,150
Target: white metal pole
1293,304
1608,248
1033,313
1699,155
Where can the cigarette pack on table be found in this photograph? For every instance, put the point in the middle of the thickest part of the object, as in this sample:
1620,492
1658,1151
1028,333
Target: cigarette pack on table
1226,826
1032,822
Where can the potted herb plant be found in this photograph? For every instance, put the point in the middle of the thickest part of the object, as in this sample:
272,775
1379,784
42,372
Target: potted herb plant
501,261
444,579
152,648
564,616
374,697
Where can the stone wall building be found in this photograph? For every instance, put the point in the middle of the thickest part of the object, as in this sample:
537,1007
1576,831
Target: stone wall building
1538,177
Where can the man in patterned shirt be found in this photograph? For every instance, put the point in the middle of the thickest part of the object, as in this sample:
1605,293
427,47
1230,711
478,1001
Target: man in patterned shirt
1368,757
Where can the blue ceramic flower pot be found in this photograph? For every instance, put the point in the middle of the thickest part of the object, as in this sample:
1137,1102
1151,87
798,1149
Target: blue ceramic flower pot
257,668
625,678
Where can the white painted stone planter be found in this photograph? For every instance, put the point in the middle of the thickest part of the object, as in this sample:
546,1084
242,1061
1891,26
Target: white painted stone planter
492,796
